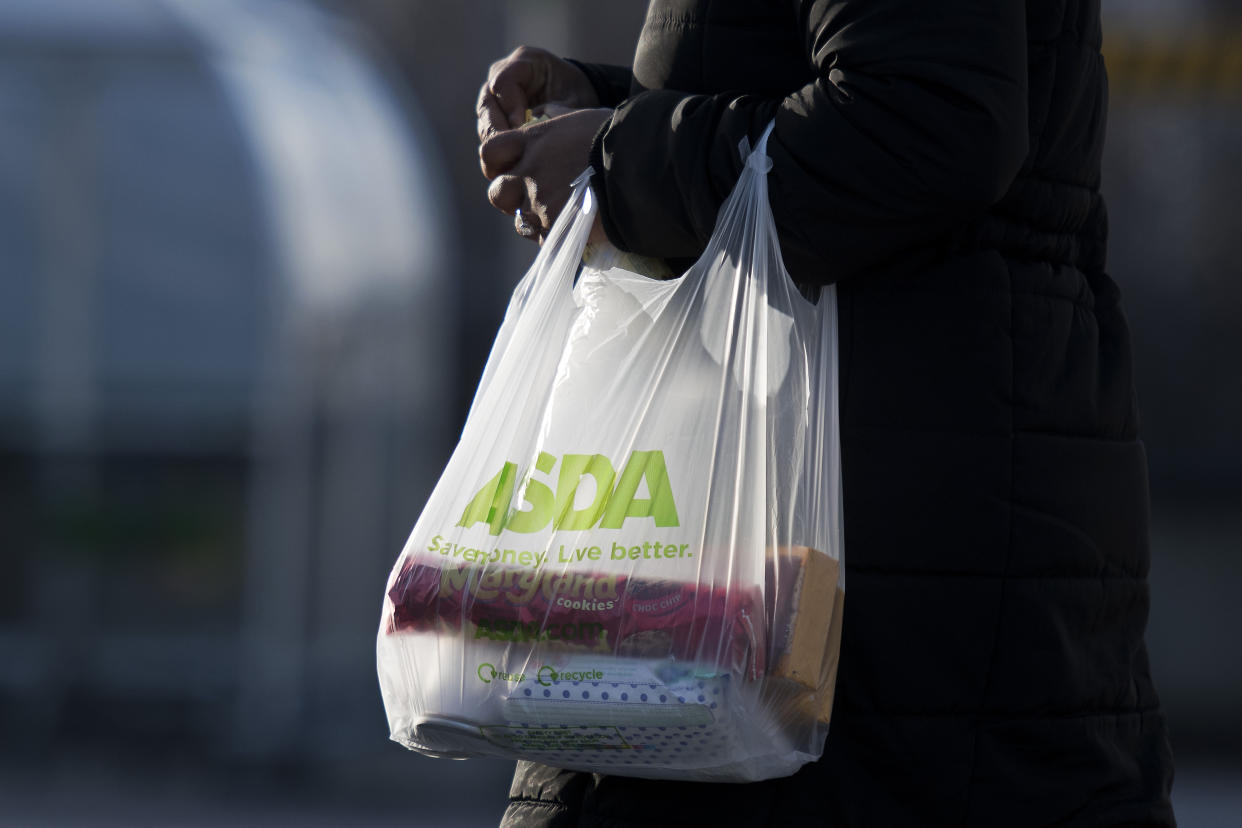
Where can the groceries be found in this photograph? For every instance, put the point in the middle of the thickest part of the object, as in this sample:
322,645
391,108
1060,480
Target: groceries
588,612
575,668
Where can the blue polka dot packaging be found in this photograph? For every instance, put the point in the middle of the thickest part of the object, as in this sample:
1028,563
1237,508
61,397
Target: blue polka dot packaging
632,561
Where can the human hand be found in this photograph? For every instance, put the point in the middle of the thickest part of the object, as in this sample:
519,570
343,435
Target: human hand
532,167
534,79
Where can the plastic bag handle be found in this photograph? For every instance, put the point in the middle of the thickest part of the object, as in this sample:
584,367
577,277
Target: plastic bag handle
556,262
757,159
581,204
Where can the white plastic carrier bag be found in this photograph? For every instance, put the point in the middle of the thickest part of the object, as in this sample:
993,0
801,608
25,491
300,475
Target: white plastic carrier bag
632,562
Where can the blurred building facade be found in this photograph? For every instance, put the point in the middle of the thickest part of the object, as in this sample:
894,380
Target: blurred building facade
224,305
1172,175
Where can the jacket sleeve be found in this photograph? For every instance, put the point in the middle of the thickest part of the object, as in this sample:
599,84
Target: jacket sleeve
915,122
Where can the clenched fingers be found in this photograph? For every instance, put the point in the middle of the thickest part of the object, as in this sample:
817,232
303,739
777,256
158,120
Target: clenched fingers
507,193
501,152
490,118
515,87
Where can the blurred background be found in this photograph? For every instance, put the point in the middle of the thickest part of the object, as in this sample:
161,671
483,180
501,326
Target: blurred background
248,279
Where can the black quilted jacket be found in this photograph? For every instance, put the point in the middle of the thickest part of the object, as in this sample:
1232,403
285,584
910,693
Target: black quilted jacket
941,162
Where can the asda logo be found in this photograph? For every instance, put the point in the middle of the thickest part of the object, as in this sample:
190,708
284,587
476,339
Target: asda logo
549,494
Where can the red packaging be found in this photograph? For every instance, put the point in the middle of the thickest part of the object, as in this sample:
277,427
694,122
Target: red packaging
610,614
